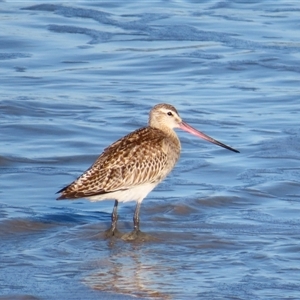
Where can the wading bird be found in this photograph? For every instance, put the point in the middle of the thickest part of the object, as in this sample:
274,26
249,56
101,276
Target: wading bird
130,168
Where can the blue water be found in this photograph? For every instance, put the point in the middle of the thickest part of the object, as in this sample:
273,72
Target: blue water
77,76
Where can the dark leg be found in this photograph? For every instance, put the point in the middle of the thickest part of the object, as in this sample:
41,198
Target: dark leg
136,217
136,234
114,216
113,231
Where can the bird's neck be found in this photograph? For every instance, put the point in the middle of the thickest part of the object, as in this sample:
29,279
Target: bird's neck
170,133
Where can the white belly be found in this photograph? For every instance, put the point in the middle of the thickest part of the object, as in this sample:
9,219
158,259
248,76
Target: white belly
137,193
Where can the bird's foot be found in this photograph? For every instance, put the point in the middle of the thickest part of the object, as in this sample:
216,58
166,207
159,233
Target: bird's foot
137,235
112,232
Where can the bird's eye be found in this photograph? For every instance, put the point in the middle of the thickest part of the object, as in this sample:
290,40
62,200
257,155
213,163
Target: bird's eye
170,114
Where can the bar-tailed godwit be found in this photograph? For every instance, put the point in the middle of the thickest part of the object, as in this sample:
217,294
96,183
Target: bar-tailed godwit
130,168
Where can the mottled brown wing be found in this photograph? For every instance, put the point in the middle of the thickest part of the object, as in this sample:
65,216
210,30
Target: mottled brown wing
137,158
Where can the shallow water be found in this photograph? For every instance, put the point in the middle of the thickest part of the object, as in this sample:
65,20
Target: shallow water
76,77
